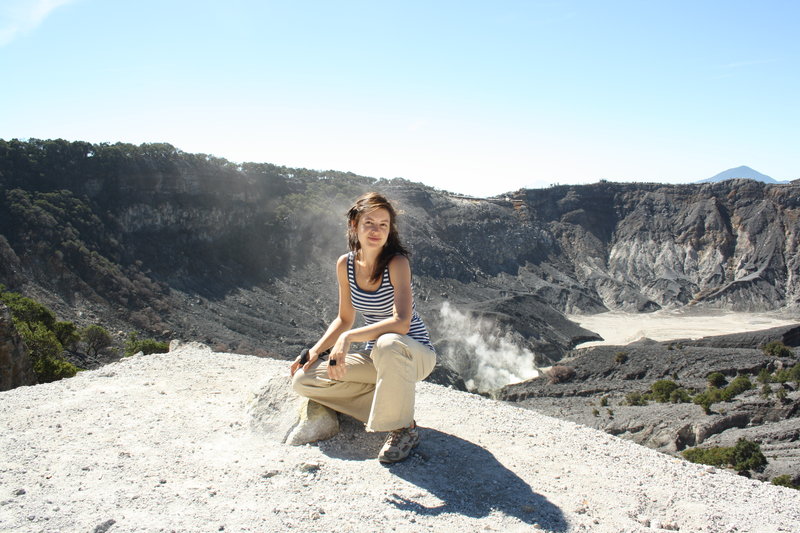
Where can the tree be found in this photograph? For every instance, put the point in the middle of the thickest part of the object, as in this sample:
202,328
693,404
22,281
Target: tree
45,352
67,334
96,338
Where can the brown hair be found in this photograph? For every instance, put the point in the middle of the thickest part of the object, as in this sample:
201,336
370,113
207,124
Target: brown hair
364,204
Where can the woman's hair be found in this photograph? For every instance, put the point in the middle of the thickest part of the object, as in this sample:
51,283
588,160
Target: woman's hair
367,203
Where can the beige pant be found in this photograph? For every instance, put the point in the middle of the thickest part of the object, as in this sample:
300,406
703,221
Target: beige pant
377,389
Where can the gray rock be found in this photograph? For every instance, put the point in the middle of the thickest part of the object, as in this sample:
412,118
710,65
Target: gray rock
280,414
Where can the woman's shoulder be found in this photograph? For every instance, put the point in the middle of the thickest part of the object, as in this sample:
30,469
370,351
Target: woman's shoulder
399,260
342,261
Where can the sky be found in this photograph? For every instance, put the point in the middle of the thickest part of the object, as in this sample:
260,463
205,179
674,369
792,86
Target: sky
474,97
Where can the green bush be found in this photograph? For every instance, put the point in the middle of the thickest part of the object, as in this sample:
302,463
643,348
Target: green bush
781,376
736,387
45,352
96,338
794,373
635,398
67,334
716,456
680,396
716,379
746,455
776,349
147,346
764,376
662,389
26,310
708,397
766,390
785,481
604,401
621,358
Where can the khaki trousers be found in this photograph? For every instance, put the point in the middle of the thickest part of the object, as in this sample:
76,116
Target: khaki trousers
378,388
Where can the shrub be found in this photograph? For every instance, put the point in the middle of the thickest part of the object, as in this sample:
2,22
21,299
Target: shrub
635,398
785,481
705,399
67,334
45,352
147,346
781,394
621,358
776,349
595,412
680,396
794,373
716,456
766,390
736,387
746,455
604,401
662,389
96,338
716,379
781,376
560,374
26,310
764,376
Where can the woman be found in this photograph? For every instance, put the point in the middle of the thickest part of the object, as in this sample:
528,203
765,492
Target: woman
376,387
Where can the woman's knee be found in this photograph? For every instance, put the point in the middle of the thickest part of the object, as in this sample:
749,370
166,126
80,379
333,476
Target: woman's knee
389,342
301,382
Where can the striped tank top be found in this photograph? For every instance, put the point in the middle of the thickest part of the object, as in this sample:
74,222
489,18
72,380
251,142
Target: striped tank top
378,305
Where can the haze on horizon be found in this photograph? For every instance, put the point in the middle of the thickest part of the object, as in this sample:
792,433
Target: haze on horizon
472,97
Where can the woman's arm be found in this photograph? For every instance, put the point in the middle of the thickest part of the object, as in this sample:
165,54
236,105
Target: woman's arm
343,321
400,322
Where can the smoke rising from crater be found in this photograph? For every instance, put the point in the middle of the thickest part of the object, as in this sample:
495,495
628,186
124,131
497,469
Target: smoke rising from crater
486,356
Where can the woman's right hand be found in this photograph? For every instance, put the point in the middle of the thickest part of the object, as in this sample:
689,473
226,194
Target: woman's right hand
312,356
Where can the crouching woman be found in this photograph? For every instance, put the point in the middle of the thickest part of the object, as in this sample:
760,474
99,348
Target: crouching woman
378,386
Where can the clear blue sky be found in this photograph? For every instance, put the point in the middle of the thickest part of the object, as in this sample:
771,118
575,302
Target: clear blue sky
478,97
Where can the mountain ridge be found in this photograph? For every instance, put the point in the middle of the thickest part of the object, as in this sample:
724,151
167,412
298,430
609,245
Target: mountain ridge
740,172
167,243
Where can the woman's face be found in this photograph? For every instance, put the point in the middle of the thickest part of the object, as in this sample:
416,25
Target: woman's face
372,228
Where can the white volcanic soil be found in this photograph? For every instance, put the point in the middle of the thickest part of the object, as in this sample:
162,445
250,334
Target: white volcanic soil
164,443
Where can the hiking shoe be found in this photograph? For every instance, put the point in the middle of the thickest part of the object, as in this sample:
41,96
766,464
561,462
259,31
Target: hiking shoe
399,444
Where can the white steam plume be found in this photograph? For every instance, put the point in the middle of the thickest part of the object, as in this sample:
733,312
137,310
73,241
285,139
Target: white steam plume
484,356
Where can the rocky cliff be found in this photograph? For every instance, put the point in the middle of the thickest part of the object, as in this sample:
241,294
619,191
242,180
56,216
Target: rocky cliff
240,256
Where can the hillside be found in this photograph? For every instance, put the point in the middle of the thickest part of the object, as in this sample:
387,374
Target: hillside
170,244
164,443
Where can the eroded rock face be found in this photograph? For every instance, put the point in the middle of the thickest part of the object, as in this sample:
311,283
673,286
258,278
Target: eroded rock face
16,368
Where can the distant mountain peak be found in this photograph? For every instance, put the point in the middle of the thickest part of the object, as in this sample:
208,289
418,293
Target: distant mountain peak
742,172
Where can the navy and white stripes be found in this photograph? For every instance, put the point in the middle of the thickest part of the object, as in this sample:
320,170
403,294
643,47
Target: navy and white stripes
378,305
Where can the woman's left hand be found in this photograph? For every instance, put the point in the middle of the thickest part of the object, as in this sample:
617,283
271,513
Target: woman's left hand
337,367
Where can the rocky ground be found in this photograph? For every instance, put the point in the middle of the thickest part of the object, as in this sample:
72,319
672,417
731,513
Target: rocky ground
165,443
604,375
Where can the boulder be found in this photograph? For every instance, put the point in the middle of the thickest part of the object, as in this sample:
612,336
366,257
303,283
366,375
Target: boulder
16,368
276,411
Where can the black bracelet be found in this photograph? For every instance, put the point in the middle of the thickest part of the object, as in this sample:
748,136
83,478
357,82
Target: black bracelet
304,356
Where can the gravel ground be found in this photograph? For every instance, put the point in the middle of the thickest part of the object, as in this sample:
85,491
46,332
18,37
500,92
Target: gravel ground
163,443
